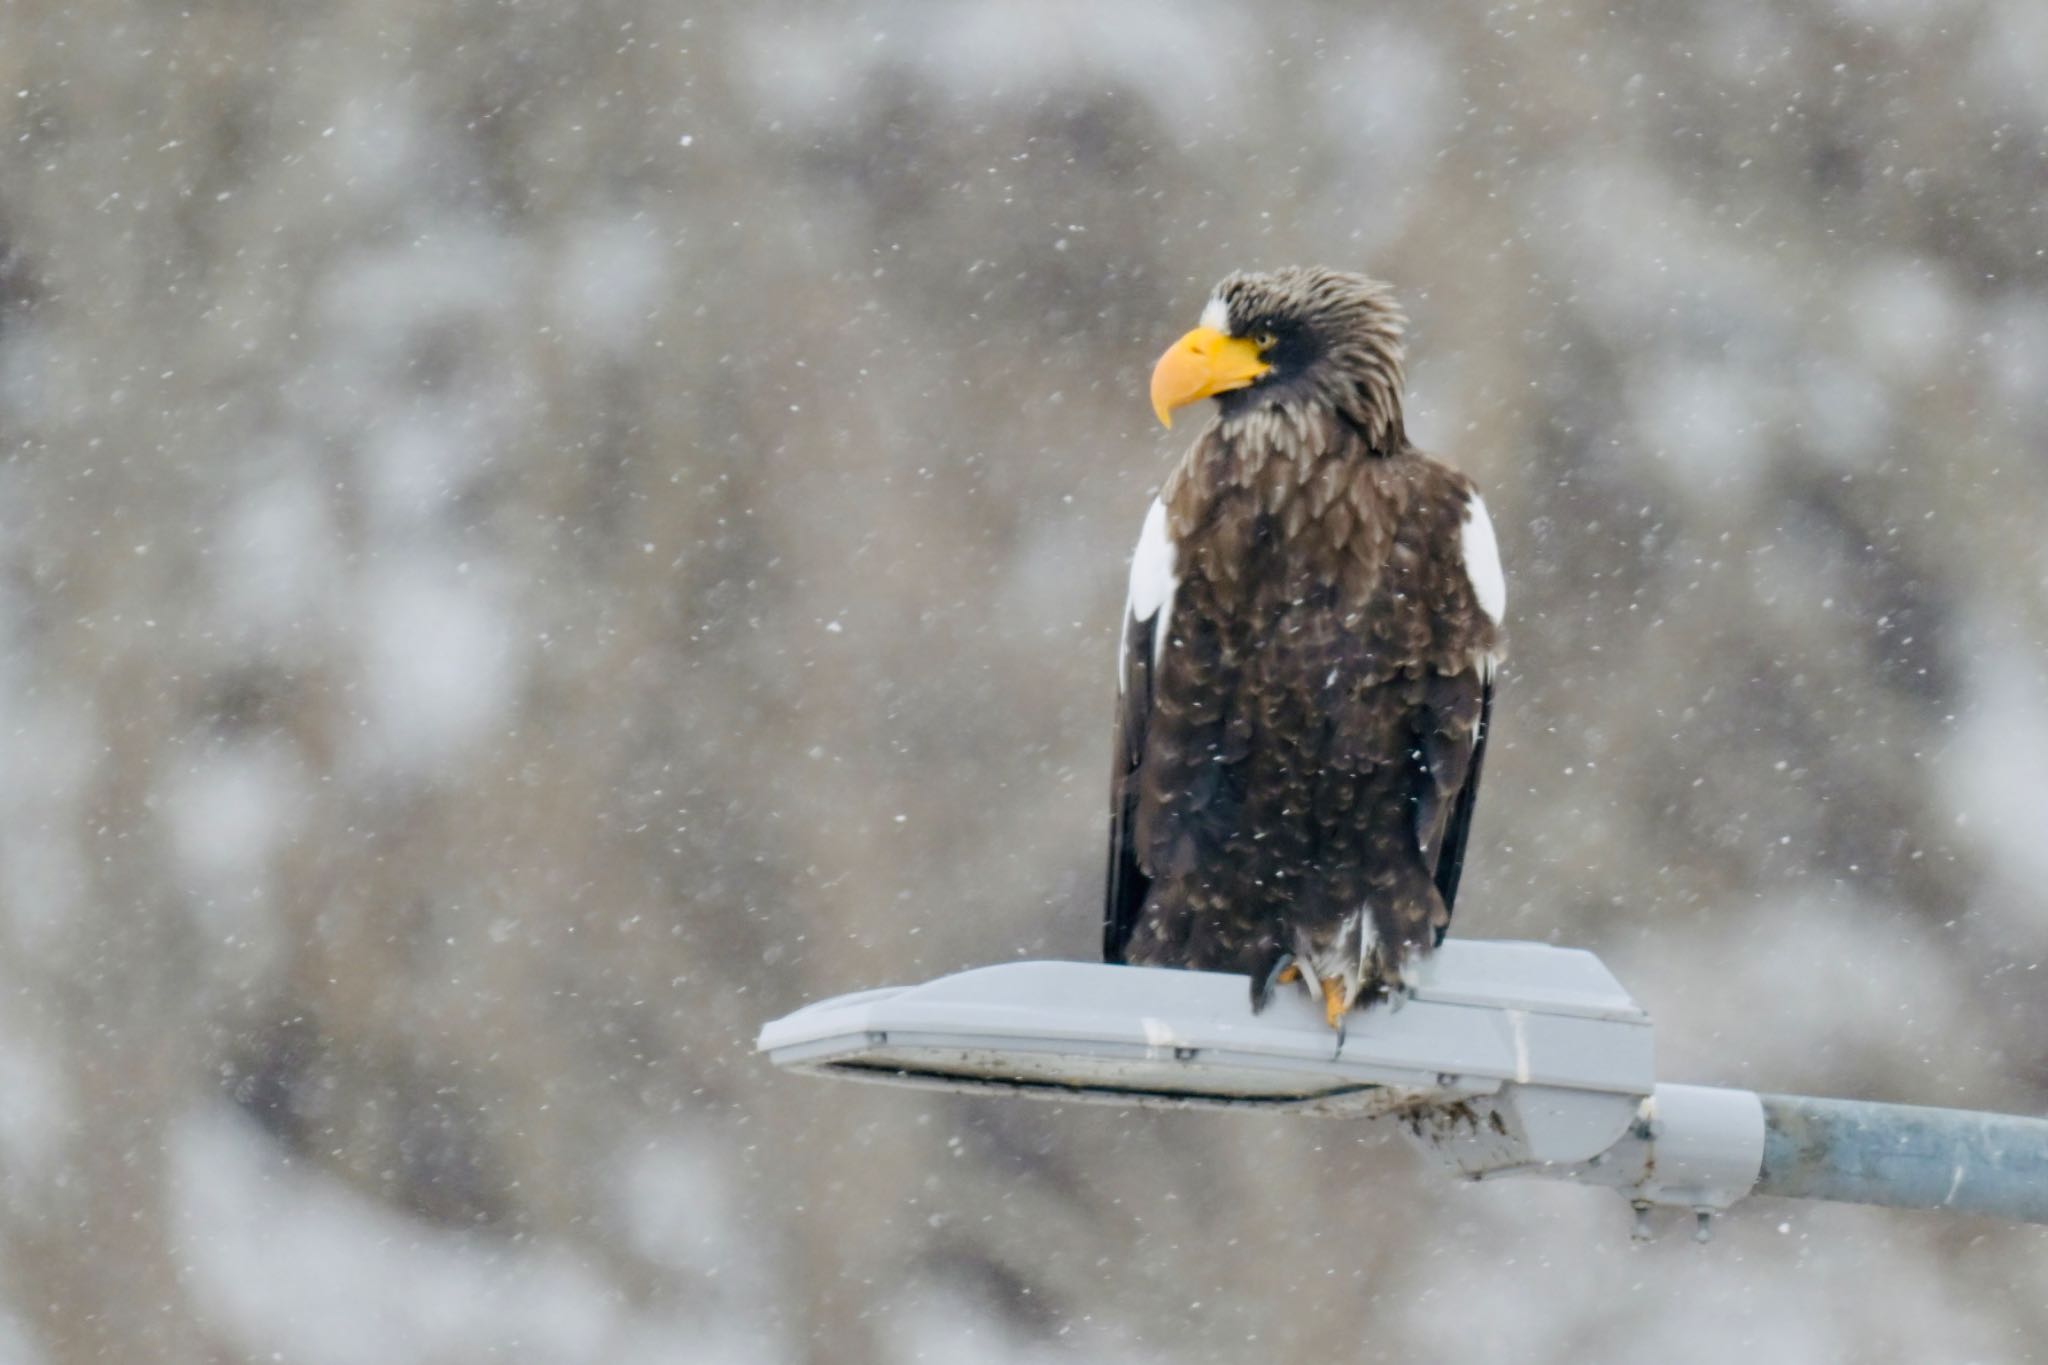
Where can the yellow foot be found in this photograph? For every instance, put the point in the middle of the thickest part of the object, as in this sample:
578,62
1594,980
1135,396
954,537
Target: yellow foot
1288,975
1333,1001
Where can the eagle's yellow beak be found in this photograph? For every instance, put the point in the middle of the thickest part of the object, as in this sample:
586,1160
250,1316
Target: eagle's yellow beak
1202,364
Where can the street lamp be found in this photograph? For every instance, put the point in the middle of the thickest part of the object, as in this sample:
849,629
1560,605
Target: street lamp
1509,1059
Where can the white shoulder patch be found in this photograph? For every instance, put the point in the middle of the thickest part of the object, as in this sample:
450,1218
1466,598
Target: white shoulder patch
1152,581
1216,316
1482,561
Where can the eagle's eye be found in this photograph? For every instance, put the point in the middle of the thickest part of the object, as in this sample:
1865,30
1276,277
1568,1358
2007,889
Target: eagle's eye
1265,340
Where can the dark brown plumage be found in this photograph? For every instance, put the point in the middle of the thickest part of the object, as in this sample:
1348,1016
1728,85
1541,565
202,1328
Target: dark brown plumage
1297,754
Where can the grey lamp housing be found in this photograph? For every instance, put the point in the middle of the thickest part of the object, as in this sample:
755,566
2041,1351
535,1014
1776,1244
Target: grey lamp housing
1508,1059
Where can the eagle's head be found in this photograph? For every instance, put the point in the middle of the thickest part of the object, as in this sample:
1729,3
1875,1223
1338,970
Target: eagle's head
1298,337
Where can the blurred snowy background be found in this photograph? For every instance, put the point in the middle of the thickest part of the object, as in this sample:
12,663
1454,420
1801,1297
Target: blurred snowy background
536,536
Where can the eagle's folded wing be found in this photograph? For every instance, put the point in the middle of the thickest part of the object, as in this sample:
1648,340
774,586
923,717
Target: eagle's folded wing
1146,613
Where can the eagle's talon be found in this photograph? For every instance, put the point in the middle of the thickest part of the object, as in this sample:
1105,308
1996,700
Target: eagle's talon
1283,972
1333,1002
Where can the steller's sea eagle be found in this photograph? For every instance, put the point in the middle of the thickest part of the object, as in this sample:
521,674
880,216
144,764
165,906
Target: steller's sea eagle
1308,657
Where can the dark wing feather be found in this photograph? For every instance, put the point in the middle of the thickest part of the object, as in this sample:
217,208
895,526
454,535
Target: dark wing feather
1452,749
1124,894
1450,863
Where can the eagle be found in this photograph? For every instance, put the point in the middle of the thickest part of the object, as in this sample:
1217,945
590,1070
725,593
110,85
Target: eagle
1308,656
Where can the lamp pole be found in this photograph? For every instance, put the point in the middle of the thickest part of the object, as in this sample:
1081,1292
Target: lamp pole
1905,1156
1705,1148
